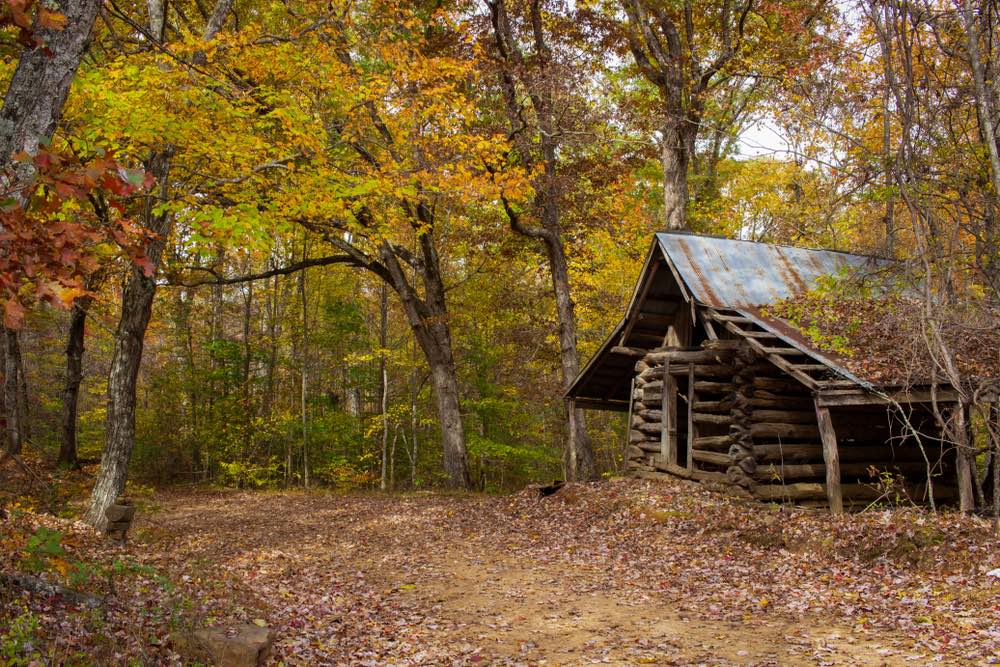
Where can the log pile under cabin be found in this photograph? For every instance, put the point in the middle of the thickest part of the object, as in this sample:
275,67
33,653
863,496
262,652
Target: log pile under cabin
718,393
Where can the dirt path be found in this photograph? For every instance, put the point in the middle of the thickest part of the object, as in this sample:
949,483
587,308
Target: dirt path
524,612
377,580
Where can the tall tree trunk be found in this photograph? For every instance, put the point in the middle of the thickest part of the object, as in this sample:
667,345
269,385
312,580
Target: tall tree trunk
428,318
74,376
674,156
445,382
542,91
137,307
383,382
271,308
580,451
414,422
31,109
305,374
11,391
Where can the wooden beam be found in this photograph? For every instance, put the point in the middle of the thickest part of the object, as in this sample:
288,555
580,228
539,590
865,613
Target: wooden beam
635,352
714,458
834,495
715,443
775,359
639,301
692,434
845,397
668,439
707,323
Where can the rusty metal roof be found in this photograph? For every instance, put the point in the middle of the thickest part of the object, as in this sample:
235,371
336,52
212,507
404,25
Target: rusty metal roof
726,273
718,273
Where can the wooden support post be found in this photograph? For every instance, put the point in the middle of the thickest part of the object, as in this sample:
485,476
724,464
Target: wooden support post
668,438
965,464
691,427
831,457
628,422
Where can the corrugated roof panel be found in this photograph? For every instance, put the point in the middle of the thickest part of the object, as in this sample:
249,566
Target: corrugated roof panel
724,273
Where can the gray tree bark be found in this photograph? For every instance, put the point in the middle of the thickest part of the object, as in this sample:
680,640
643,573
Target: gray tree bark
11,392
579,449
74,376
137,307
32,107
34,100
675,155
428,319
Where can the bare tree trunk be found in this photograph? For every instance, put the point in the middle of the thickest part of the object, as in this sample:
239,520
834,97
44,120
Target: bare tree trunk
964,461
12,350
157,18
137,307
984,110
889,219
31,109
383,386
580,451
428,318
450,415
674,157
74,376
305,375
414,425
579,457
271,308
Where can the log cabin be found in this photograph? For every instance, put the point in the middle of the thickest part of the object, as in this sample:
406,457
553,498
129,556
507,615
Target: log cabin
719,392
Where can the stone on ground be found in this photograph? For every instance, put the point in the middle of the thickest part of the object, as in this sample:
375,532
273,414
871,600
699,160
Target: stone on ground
234,646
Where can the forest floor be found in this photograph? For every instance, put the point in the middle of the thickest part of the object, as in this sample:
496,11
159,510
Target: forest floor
619,572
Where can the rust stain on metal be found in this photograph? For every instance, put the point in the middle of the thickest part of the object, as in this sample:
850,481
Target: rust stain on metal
726,273
792,272
696,269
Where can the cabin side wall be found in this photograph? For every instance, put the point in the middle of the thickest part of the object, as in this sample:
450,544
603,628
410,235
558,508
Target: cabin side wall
736,421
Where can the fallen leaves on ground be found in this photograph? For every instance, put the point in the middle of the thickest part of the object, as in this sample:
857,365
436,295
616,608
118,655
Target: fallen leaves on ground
369,579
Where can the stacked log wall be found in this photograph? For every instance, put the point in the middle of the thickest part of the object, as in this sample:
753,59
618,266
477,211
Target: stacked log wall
753,430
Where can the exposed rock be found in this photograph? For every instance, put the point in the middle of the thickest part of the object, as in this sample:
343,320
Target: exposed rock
235,646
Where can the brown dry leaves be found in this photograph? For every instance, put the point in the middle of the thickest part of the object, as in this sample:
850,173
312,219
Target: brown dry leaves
887,339
355,579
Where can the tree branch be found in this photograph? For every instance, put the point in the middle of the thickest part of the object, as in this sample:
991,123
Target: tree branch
219,279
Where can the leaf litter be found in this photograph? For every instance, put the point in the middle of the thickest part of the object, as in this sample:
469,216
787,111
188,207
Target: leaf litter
618,572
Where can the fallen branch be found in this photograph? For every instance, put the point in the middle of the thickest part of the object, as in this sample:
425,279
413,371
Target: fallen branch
41,587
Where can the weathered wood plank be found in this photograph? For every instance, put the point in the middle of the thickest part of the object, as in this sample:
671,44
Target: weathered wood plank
787,416
715,458
712,406
713,387
879,454
836,398
783,430
713,442
831,459
669,415
707,418
692,432
847,470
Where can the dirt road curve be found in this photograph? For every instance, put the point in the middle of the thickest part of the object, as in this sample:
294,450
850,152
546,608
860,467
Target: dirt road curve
619,573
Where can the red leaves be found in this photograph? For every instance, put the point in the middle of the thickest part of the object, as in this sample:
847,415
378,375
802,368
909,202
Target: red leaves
48,249
20,14
51,20
13,314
